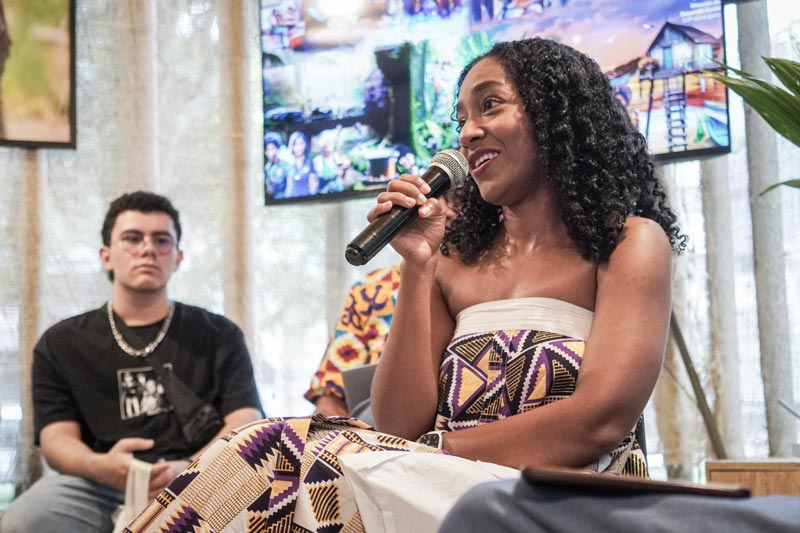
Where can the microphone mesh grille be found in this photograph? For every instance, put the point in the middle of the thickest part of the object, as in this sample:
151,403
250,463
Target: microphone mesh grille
454,164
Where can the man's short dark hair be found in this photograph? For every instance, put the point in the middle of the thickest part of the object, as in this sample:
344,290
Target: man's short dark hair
144,202
272,138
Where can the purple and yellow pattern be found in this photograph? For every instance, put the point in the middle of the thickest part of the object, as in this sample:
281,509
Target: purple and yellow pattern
489,376
486,377
278,474
284,475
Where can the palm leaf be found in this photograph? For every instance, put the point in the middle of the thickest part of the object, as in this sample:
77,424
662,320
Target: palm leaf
788,183
787,71
777,106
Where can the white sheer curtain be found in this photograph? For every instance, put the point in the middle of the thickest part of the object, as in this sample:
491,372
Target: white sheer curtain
168,99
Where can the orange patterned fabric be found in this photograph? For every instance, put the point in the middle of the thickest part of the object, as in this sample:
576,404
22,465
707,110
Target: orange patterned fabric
360,333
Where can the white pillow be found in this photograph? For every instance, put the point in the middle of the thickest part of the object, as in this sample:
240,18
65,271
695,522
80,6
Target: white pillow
411,492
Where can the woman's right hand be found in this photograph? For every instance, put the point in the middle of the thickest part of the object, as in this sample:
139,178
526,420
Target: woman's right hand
418,240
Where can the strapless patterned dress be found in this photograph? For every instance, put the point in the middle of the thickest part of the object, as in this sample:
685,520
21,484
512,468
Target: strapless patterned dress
283,474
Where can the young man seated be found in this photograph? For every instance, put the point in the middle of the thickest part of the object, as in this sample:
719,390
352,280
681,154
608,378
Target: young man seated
141,376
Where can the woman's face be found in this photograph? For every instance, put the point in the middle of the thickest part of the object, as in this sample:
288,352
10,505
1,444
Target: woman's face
299,146
497,135
328,144
271,152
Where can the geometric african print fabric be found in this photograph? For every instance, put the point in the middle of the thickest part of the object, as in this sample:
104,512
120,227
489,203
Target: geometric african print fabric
490,376
275,475
283,475
360,333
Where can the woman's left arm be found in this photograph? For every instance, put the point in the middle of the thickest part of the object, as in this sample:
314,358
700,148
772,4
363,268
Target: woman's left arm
619,369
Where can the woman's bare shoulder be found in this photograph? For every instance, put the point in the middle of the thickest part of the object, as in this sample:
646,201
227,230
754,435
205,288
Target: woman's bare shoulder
642,232
455,279
643,246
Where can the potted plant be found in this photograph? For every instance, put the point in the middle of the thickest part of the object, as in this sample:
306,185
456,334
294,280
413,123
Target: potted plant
778,106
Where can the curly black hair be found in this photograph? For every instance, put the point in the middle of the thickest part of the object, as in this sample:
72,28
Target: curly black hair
595,158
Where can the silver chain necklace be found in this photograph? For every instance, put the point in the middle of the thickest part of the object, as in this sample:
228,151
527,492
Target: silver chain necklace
147,350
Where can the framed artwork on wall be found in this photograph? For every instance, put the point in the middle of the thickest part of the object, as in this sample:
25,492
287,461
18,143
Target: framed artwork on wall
37,73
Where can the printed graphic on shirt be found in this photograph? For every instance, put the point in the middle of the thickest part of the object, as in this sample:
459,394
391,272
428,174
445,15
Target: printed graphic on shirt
141,392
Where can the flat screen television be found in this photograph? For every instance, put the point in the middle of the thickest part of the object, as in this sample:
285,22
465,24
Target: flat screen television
356,92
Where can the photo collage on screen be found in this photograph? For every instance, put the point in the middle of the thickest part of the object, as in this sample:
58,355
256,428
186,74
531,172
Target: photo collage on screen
356,93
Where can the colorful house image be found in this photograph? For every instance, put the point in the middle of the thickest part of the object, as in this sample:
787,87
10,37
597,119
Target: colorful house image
683,106
659,58
684,47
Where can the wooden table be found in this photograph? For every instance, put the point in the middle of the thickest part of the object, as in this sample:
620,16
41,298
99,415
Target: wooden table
769,476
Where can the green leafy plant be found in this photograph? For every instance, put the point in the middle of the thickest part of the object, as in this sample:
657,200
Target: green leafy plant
778,106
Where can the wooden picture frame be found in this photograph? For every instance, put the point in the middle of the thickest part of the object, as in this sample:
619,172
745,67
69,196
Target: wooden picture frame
37,73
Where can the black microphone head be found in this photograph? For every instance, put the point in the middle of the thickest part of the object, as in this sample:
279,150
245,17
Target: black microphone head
448,169
454,165
355,255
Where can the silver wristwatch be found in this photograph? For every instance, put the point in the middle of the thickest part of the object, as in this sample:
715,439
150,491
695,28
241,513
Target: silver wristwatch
434,439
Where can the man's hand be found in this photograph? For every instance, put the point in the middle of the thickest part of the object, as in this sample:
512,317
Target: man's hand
67,453
111,468
162,473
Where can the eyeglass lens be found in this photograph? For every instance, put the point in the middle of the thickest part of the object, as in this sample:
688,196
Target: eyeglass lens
163,243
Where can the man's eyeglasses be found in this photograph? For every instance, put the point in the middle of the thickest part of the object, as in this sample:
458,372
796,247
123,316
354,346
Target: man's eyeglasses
134,243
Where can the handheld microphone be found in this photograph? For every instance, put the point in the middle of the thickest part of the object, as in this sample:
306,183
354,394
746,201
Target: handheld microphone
448,169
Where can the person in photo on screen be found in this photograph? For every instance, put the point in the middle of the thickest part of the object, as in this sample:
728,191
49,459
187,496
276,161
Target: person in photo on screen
530,330
276,170
301,179
328,164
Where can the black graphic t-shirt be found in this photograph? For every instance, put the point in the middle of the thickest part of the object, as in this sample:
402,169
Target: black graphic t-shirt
80,374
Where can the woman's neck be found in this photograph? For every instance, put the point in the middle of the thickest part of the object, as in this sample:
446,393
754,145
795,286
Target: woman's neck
535,223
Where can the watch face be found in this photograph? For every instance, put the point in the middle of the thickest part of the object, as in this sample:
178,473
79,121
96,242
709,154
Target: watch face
430,439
